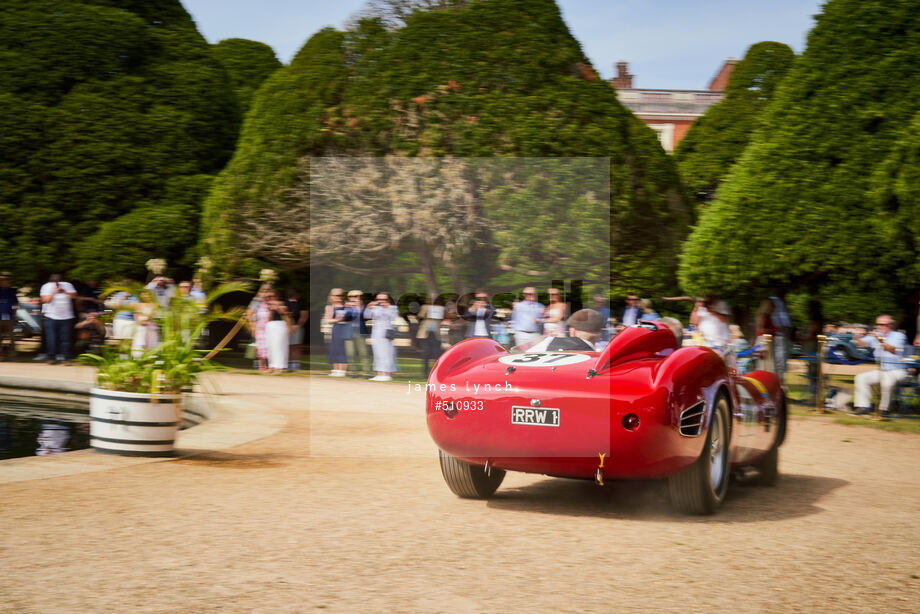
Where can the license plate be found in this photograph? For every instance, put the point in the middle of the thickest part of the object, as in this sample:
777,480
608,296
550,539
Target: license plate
531,416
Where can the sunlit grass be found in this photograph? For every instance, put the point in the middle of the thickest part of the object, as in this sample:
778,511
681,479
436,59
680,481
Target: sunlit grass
798,389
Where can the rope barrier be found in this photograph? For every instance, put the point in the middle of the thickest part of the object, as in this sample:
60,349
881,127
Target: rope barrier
749,351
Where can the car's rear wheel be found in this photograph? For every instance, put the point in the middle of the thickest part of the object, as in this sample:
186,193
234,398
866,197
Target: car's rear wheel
700,488
469,481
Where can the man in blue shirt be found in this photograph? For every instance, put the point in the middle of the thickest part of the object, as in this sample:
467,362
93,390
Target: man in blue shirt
356,346
479,314
527,318
631,313
8,306
889,346
782,326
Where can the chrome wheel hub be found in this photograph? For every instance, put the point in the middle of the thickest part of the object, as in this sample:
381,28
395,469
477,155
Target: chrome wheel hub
716,450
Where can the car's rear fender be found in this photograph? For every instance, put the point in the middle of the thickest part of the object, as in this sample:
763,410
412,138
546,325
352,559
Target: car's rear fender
691,376
465,355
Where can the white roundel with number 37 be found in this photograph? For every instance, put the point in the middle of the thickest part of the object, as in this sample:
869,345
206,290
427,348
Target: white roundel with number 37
543,359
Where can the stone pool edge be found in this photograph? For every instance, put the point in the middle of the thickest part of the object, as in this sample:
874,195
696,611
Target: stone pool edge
233,423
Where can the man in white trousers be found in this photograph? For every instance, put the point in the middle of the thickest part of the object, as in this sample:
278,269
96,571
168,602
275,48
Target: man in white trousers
889,346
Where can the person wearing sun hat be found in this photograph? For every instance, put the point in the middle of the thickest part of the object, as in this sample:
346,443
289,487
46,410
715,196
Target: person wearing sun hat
889,345
714,326
585,327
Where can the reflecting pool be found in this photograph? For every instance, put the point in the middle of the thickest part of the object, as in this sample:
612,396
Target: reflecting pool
39,426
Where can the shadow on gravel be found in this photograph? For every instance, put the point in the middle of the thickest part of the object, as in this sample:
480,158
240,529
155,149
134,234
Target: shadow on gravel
793,497
234,461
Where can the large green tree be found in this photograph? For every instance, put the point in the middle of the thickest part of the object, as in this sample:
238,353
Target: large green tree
896,193
248,63
815,200
104,104
488,78
716,140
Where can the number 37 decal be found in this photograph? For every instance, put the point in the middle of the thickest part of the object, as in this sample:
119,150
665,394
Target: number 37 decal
541,359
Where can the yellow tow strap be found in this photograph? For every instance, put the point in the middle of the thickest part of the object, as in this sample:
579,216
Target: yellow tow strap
758,385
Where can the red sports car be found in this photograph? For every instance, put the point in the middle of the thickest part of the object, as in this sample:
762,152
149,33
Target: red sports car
644,407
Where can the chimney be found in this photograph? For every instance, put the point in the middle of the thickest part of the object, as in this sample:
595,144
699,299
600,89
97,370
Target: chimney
720,81
623,80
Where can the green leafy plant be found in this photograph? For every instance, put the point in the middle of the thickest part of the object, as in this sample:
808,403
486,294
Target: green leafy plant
175,363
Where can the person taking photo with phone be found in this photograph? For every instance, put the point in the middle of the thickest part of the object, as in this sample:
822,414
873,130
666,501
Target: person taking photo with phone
57,297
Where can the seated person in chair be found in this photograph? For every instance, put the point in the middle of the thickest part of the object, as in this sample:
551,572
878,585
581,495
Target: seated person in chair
889,345
90,334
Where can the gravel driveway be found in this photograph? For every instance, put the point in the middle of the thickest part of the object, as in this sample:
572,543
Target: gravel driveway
345,510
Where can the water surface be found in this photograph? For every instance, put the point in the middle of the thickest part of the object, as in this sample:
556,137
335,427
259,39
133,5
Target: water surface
35,426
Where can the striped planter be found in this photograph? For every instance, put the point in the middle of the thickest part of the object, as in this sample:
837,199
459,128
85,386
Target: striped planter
134,424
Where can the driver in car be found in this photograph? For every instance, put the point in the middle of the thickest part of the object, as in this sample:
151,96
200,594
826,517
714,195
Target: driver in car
585,327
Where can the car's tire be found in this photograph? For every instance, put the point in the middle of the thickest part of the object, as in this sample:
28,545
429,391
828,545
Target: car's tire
768,466
469,481
701,487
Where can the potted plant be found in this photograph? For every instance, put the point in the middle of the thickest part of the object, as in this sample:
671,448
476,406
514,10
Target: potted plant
136,405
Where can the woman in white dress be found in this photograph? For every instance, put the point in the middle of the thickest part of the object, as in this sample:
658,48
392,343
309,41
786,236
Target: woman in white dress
277,333
146,335
382,311
554,318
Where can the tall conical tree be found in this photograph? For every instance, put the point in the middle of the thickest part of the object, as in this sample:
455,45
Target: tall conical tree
492,78
286,122
798,207
103,103
896,193
248,63
716,140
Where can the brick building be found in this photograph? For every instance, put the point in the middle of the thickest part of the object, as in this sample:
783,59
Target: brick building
670,113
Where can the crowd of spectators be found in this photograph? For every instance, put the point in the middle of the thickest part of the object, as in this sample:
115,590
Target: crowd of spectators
67,316
444,320
350,325
362,329
884,344
277,329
